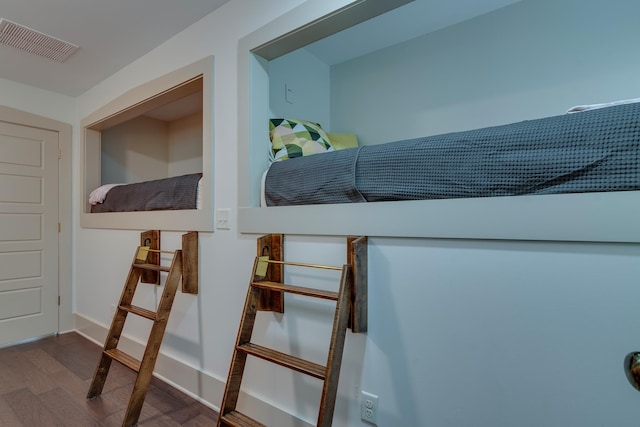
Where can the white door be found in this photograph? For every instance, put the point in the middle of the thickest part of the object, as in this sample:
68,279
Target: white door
28,232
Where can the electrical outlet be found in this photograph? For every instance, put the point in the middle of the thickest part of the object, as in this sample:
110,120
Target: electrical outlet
369,407
222,219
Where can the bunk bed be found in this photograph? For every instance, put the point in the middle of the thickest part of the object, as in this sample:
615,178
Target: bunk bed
175,193
590,149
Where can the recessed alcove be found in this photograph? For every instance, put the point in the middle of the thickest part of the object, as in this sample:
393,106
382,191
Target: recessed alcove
161,129
262,91
470,67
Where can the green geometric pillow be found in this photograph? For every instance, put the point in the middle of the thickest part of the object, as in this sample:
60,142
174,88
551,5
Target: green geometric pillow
296,138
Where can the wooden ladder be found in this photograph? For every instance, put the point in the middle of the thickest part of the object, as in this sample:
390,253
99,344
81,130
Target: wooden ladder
262,289
146,262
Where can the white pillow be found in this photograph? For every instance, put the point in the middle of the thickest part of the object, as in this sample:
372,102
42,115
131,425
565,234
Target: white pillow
99,194
579,108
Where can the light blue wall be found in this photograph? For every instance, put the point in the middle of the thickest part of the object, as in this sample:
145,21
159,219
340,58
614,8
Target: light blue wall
309,80
500,334
492,333
532,59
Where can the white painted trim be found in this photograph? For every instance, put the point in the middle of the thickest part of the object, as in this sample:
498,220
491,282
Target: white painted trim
200,385
65,288
131,101
578,217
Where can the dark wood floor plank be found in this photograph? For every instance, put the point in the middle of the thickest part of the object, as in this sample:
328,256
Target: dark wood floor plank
44,383
164,397
73,385
43,360
160,421
113,420
193,411
201,421
7,416
10,380
66,408
75,356
31,376
120,397
77,390
30,410
102,407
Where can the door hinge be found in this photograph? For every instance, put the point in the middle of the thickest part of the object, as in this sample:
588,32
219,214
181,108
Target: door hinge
58,299
59,227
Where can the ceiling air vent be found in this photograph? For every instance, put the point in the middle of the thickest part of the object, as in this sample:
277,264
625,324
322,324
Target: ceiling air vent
28,40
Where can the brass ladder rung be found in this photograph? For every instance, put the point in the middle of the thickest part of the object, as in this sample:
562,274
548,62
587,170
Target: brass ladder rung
299,290
288,361
302,264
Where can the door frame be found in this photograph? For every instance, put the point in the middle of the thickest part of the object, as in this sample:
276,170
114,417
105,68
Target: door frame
65,288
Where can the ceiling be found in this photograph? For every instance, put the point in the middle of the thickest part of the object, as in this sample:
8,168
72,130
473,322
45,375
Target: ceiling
110,34
414,19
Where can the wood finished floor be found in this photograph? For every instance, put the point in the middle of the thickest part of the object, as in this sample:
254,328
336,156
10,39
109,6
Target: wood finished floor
44,383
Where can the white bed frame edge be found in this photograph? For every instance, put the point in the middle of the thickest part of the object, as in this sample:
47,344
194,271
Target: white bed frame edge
581,217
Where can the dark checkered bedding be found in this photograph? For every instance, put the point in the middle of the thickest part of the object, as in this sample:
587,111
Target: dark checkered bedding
179,192
591,151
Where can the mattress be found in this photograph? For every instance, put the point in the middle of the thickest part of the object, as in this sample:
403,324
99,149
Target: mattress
590,151
175,193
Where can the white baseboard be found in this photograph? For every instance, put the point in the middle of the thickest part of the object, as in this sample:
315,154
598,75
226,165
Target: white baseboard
200,385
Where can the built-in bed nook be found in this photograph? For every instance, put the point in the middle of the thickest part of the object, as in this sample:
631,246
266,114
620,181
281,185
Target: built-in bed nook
147,156
537,174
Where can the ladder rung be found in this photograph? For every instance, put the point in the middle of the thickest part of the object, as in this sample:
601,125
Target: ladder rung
300,290
152,267
236,419
151,315
286,360
124,358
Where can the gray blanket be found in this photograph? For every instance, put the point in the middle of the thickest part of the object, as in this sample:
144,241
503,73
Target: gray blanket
584,152
179,192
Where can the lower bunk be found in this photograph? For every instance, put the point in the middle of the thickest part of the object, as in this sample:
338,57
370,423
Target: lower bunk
175,193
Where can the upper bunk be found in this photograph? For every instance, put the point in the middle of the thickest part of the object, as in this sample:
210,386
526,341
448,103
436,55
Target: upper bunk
146,155
523,62
591,149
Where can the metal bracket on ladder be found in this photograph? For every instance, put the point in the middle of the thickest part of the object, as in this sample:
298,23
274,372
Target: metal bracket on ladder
184,265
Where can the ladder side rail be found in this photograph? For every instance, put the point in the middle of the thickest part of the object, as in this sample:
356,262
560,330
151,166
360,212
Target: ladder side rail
239,358
336,347
113,336
154,342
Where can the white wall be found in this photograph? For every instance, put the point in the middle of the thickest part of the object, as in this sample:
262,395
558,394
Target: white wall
528,60
461,333
185,145
144,148
37,101
136,150
308,80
